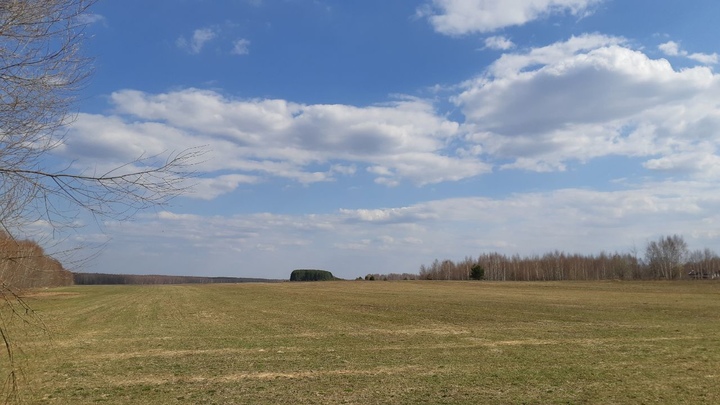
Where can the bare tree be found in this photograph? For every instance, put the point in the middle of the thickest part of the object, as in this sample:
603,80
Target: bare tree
41,69
666,256
703,264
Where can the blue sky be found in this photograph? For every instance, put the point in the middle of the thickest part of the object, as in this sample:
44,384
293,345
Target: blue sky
375,136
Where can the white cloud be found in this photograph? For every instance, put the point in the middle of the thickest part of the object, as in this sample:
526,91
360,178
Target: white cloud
511,64
91,18
458,17
208,189
387,216
499,43
199,38
704,58
399,239
347,170
588,97
704,162
241,47
219,33
539,110
672,48
254,140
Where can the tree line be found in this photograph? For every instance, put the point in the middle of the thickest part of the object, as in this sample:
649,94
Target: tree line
24,264
144,279
666,258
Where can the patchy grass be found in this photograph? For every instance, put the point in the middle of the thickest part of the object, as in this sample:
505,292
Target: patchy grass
377,342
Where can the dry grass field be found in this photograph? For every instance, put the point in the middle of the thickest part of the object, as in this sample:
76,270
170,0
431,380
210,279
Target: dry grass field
375,342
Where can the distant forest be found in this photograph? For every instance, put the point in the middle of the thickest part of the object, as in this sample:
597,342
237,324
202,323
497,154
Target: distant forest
24,264
110,279
667,258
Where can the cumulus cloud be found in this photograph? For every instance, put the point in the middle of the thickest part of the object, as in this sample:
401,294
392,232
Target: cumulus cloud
253,140
587,97
197,41
672,48
537,109
458,17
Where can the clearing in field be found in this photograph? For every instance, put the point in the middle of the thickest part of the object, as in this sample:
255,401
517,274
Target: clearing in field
376,342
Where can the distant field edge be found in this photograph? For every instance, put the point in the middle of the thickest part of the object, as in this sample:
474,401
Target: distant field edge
136,279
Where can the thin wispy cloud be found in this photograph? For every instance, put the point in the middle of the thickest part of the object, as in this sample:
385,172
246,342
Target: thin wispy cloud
672,48
197,41
91,18
241,47
499,43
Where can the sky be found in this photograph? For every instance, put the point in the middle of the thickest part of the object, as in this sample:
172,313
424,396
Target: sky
375,136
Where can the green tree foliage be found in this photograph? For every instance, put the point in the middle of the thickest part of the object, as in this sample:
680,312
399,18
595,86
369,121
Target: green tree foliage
477,272
311,275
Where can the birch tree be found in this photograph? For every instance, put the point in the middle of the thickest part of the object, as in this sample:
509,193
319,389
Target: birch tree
666,256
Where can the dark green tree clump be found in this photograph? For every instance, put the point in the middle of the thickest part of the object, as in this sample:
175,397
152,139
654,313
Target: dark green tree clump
477,272
311,275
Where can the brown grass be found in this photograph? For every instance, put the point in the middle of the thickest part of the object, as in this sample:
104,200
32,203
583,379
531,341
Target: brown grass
378,342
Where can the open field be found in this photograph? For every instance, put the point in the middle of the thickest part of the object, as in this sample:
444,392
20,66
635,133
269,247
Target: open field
377,342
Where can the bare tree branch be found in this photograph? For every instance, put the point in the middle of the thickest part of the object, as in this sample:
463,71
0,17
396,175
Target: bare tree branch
41,69
118,193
